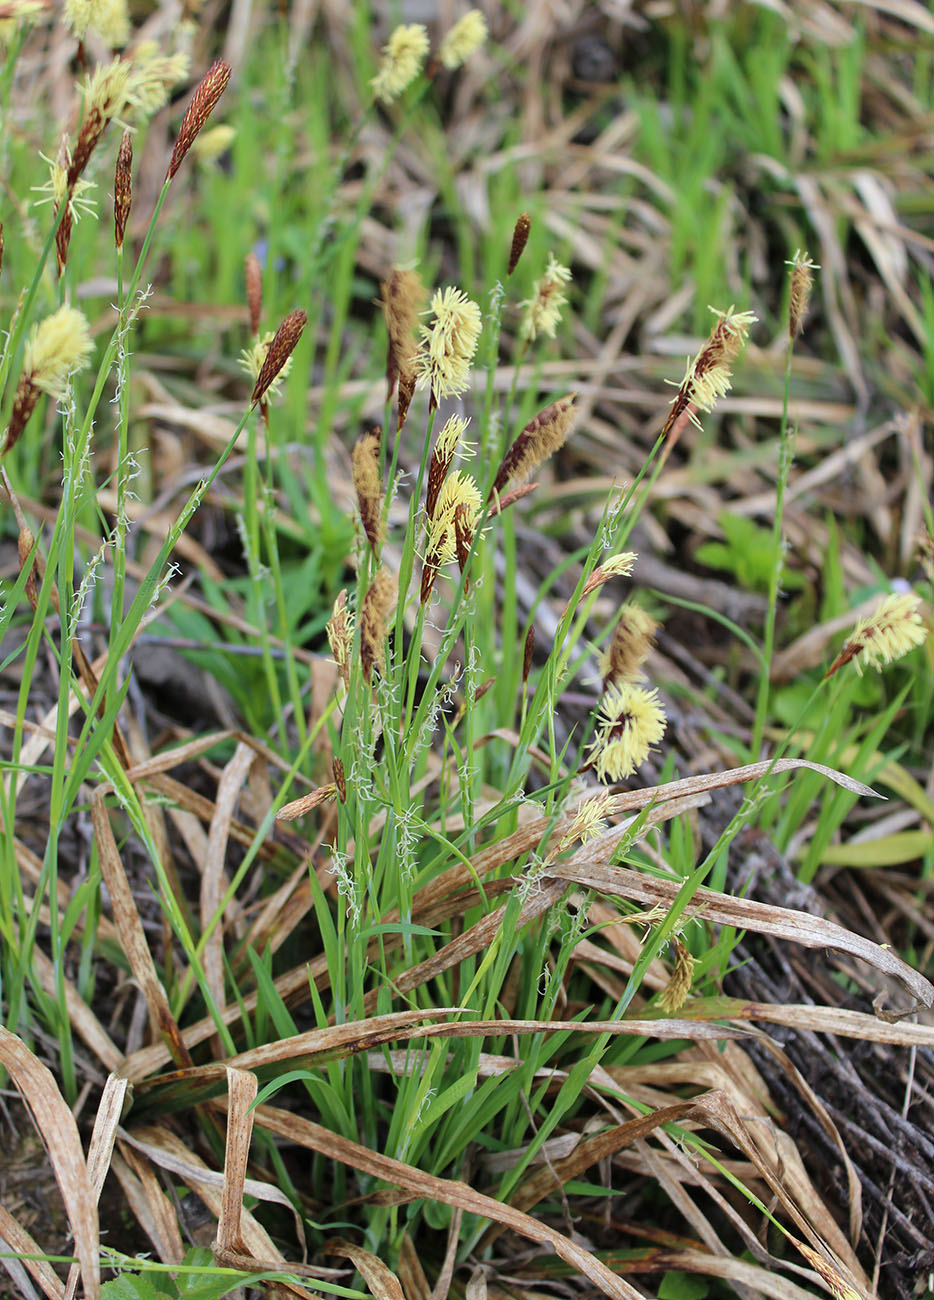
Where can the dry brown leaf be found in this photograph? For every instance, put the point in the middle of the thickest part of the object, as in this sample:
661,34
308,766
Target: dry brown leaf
55,1122
14,1237
723,909
456,1194
213,880
381,1280
100,1149
149,1203
132,935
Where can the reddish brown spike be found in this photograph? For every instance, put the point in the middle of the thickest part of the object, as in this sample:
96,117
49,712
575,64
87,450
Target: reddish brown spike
337,768
280,349
123,187
203,102
520,237
527,653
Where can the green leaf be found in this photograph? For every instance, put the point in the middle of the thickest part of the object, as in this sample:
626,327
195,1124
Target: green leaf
134,1286
682,1286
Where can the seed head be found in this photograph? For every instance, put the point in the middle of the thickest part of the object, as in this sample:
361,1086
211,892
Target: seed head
463,40
152,76
366,480
708,376
340,782
253,274
279,351
406,393
253,358
203,102
800,293
892,631
630,721
543,309
403,295
448,345
675,993
403,56
123,187
629,646
374,615
520,237
539,439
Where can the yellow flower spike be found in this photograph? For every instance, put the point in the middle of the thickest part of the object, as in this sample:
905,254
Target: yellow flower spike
543,309
892,631
403,56
630,722
463,40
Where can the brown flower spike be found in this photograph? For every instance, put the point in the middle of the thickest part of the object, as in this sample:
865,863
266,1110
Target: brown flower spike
403,297
253,274
280,349
366,481
520,237
123,187
374,615
539,439
203,102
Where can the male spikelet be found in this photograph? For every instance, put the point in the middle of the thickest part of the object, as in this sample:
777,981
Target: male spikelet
800,291
539,439
403,296
283,344
203,102
339,630
55,349
709,375
543,309
374,615
629,646
520,237
463,40
366,481
448,345
123,188
630,722
893,630
403,56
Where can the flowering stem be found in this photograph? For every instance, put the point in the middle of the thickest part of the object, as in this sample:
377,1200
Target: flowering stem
785,459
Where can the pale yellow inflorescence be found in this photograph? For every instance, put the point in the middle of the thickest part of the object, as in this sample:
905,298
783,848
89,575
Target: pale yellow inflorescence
152,76
630,722
458,492
107,89
708,376
107,19
463,40
56,189
448,345
56,348
403,56
451,439
19,11
893,630
543,309
253,357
